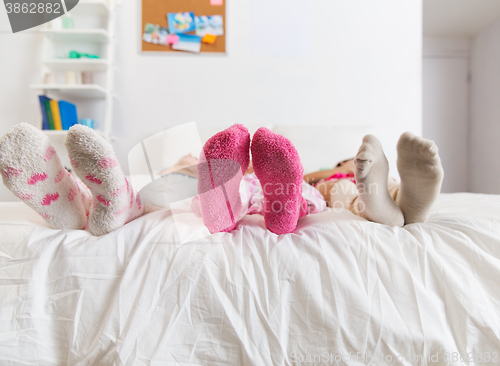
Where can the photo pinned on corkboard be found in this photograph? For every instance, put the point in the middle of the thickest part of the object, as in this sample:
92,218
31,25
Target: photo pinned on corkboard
194,26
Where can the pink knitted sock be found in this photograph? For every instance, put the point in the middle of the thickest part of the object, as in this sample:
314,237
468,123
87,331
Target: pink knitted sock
223,161
94,161
32,170
277,165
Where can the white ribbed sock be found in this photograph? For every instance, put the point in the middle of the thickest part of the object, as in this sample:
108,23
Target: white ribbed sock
421,175
371,172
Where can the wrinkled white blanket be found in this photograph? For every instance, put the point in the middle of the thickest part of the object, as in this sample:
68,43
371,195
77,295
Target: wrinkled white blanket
340,290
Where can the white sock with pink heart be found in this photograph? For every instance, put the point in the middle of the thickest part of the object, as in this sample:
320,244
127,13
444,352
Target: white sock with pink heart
93,159
32,170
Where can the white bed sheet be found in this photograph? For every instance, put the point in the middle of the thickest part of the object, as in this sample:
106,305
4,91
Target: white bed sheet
339,288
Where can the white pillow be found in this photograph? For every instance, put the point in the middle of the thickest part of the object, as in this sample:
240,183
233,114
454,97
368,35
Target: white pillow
322,146
167,189
208,131
318,146
164,149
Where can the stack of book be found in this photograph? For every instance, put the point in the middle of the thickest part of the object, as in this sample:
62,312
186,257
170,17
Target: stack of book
57,115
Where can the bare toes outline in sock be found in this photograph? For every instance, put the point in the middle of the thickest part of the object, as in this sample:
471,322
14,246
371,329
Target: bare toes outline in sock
421,173
371,173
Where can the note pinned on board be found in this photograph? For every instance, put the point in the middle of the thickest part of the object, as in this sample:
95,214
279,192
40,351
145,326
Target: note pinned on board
209,38
188,43
212,24
180,22
172,39
216,2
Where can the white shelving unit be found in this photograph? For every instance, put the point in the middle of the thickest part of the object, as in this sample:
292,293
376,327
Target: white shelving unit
77,64
93,33
80,35
80,91
92,7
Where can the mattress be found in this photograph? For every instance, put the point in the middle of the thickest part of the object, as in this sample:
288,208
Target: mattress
340,290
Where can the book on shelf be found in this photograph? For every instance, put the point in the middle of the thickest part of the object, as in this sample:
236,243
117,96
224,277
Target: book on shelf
57,115
45,121
68,114
48,111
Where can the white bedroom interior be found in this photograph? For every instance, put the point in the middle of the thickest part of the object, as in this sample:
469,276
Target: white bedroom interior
375,78
114,279
461,82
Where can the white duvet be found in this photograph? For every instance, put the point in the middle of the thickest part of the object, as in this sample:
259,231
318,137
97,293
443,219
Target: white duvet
340,290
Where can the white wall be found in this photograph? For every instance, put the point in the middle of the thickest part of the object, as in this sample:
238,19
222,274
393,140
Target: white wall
19,67
485,111
364,68
445,106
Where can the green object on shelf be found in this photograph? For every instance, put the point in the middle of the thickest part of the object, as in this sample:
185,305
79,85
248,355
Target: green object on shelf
75,54
67,22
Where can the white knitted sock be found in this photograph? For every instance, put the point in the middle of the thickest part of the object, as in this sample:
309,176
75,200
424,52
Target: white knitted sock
371,172
421,175
32,170
94,161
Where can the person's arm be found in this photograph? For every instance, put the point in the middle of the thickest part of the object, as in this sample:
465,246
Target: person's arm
185,165
346,166
315,177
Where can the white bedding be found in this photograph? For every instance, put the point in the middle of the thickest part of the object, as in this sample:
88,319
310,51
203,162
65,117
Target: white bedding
339,288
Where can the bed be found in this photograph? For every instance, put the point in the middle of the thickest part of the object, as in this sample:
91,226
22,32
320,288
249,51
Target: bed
338,291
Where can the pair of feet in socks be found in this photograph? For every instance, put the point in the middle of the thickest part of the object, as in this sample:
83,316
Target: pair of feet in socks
32,170
277,166
421,175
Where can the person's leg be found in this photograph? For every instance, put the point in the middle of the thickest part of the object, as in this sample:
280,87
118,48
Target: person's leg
315,201
421,174
338,193
371,173
32,170
343,194
277,165
94,161
223,161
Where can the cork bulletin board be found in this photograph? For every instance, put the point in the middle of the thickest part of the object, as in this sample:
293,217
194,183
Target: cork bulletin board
155,12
